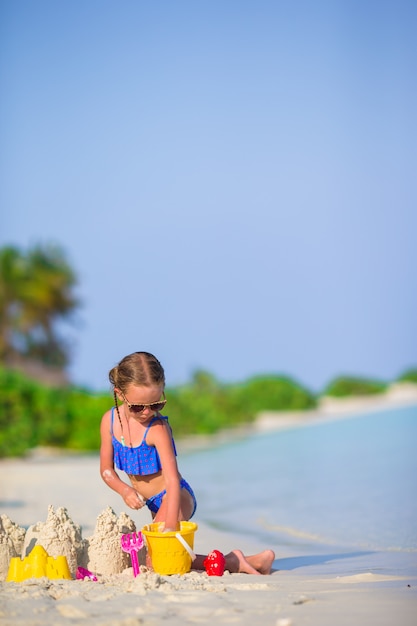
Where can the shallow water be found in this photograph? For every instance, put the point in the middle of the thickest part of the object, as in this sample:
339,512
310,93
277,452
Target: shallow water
350,482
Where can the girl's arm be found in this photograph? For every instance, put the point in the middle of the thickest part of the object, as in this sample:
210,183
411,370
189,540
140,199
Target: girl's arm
161,438
107,471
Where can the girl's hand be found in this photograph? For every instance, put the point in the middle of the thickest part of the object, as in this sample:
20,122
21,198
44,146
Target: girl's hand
132,498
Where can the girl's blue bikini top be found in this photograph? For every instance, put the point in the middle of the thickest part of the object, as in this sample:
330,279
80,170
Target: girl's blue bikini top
140,460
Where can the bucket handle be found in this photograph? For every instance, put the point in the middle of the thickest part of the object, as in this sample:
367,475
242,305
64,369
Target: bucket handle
186,546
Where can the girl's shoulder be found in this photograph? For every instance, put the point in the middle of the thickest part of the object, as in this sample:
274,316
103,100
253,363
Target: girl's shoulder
107,416
158,426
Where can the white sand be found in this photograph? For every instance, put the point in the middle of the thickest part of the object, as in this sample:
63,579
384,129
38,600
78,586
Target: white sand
65,506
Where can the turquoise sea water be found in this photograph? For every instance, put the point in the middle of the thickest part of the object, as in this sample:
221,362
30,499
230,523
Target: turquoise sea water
350,482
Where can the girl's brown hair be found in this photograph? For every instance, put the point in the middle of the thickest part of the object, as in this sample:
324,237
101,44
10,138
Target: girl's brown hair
139,368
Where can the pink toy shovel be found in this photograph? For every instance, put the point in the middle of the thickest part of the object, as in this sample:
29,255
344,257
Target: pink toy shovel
132,543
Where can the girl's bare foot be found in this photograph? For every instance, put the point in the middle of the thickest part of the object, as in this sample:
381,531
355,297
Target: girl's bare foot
262,561
237,562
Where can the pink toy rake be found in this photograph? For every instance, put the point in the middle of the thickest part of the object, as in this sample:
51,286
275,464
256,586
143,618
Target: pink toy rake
132,543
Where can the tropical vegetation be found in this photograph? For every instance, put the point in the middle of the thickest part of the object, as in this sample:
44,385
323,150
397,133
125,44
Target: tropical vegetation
36,295
343,386
409,376
33,414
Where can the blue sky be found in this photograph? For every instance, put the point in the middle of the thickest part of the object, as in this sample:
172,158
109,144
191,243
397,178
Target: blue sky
233,182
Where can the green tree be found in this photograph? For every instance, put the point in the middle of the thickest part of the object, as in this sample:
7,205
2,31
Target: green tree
36,292
11,277
273,393
409,376
353,386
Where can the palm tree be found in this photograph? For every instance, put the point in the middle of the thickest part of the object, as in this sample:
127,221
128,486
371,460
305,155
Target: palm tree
12,268
36,291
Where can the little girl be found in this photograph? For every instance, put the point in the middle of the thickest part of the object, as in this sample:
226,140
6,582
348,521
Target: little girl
137,439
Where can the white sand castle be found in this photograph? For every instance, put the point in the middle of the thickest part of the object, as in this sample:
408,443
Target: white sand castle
60,536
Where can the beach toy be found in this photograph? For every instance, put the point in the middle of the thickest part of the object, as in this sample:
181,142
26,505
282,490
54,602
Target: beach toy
214,563
167,551
132,543
82,573
37,565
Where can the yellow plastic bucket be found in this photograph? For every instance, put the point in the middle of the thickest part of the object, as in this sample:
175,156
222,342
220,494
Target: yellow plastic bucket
167,554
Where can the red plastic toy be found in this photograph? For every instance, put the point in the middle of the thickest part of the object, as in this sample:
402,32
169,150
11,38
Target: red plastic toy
215,563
